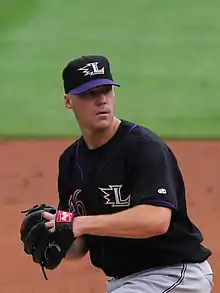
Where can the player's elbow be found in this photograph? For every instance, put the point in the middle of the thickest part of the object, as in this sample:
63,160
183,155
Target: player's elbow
155,220
162,227
162,223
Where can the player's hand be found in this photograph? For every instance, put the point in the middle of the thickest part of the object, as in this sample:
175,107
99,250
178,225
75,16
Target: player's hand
56,220
50,224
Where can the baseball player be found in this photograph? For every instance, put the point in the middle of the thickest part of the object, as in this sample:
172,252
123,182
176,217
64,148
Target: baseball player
121,198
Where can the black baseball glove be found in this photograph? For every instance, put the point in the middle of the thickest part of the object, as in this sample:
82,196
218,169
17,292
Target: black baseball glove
47,248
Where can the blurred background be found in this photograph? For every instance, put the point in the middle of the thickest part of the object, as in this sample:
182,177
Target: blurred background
164,54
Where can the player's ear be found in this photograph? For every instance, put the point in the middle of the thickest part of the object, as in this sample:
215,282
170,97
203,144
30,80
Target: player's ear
68,101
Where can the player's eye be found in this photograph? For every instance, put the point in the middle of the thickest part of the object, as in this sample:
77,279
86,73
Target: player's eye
106,89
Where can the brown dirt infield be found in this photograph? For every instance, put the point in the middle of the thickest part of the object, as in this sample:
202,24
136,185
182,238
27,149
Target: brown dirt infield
28,176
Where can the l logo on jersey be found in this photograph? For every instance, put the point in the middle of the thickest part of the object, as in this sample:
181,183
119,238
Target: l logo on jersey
113,197
91,69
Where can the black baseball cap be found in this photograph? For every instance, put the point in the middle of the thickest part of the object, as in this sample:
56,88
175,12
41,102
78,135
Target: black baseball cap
87,72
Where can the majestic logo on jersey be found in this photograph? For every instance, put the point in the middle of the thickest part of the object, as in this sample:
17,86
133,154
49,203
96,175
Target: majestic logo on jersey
91,69
162,191
113,197
76,205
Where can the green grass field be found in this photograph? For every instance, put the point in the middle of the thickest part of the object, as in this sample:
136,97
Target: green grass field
165,55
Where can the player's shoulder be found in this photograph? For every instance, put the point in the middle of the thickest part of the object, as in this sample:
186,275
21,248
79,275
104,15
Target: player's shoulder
142,136
68,151
142,142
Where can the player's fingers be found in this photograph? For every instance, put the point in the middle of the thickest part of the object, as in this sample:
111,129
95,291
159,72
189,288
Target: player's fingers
50,224
48,216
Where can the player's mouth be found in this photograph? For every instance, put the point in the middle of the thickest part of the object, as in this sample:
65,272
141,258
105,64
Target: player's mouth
102,113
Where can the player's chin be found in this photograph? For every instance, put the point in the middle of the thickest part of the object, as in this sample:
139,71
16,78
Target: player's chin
102,122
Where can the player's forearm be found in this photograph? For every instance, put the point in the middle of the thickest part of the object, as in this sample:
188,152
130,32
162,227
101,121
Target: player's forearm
138,222
78,249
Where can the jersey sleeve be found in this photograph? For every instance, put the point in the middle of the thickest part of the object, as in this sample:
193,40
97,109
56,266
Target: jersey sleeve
154,176
62,186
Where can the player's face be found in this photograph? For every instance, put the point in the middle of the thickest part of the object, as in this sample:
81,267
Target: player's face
94,109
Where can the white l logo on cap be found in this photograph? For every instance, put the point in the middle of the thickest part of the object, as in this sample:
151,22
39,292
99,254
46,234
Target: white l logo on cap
91,69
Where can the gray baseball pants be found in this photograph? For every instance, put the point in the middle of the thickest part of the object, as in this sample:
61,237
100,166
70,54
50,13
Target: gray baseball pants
185,278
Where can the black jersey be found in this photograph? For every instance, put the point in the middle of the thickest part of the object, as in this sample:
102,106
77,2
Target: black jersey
134,167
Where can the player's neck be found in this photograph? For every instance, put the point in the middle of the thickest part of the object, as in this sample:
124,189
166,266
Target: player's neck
97,139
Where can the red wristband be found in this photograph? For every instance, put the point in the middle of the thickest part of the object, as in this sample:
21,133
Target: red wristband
64,217
64,220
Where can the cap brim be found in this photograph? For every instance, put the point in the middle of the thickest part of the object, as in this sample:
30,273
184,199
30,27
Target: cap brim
91,84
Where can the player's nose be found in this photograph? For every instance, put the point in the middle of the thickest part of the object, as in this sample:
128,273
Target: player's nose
101,99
